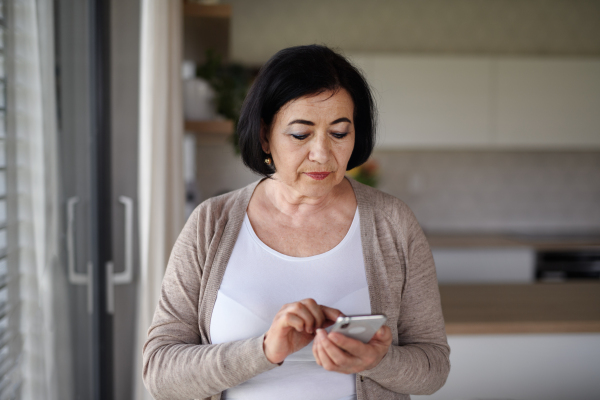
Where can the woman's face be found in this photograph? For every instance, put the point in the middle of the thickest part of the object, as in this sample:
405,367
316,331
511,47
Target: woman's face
311,140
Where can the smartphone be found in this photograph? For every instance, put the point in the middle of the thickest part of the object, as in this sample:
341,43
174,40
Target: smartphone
359,327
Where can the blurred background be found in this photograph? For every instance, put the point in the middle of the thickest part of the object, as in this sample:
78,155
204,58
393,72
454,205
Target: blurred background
118,117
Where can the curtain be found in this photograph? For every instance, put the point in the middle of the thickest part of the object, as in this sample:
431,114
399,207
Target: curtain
32,96
161,183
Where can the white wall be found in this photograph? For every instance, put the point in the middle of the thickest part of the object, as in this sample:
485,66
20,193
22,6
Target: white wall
220,170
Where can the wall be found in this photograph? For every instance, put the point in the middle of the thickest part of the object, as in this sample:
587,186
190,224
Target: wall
496,190
220,170
259,28
468,191
448,190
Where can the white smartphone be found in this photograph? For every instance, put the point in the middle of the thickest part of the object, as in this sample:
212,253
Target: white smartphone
359,327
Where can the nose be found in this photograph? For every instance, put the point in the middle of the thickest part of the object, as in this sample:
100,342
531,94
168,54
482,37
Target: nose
320,149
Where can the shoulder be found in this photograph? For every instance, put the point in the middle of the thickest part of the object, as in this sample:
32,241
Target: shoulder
381,204
217,211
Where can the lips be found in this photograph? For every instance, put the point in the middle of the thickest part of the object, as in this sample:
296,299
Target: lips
319,176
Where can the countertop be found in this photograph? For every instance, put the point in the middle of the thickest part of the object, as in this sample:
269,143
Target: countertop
537,242
564,307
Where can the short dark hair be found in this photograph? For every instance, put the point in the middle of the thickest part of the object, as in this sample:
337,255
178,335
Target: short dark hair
296,72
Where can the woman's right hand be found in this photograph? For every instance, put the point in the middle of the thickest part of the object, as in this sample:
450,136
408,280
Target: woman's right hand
294,326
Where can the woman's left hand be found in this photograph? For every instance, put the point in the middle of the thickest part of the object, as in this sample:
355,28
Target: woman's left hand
336,352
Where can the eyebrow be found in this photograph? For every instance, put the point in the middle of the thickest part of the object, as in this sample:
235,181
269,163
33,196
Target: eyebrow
305,122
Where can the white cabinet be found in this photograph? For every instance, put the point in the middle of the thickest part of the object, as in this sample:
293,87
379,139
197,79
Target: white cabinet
548,103
484,102
430,101
522,367
484,265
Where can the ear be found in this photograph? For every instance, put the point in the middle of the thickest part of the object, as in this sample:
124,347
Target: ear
264,137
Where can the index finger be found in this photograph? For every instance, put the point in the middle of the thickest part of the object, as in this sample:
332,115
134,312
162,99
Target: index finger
331,314
315,310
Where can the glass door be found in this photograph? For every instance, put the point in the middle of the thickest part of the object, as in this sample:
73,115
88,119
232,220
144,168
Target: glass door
78,139
97,57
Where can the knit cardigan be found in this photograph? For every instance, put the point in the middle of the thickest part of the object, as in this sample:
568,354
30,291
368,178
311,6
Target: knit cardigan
181,363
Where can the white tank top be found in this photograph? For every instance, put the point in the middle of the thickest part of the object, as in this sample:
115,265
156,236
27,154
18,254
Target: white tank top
259,280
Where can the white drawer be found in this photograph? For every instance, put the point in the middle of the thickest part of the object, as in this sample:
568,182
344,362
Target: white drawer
485,265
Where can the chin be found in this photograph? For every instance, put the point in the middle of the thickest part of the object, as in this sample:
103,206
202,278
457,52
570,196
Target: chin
317,188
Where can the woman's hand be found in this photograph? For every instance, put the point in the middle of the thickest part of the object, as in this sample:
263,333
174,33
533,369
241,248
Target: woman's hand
294,327
336,352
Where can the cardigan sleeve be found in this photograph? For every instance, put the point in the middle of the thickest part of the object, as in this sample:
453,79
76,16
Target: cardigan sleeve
420,363
176,364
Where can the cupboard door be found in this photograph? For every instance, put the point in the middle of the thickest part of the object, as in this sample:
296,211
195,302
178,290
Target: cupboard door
430,102
548,103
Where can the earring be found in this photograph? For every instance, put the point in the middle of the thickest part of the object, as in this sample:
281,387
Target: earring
268,161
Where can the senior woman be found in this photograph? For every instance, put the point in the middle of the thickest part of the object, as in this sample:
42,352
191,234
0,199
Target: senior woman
256,274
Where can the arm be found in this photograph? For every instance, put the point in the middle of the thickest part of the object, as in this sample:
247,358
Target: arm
176,364
420,364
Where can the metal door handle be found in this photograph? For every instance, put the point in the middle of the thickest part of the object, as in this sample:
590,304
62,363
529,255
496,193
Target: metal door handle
126,276
77,278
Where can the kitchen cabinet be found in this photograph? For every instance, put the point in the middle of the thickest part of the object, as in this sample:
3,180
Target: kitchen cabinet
430,101
548,103
522,342
449,102
495,258
522,367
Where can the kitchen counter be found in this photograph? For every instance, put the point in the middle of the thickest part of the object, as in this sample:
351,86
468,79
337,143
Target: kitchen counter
536,242
565,307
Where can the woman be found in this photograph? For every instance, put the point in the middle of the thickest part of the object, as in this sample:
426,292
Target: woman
257,274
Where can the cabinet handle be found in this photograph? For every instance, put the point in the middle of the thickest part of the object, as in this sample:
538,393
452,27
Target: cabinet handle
126,276
77,278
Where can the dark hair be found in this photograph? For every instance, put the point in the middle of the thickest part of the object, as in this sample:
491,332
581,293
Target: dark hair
296,72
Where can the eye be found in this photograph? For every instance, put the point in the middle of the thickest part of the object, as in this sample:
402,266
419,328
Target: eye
299,137
339,135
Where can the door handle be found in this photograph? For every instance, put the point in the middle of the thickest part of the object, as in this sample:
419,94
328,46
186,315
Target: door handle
78,278
125,277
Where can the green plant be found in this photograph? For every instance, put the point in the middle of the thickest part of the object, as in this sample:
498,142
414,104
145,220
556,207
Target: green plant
230,83
367,173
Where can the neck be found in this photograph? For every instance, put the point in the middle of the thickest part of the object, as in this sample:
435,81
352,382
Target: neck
293,204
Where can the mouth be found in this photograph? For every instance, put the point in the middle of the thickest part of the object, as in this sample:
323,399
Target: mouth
318,176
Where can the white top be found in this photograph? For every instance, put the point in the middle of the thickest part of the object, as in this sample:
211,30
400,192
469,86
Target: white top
259,280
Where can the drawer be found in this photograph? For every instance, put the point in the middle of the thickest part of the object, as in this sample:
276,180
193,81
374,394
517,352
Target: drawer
485,265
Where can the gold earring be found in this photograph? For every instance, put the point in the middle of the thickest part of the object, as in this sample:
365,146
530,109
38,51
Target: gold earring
268,161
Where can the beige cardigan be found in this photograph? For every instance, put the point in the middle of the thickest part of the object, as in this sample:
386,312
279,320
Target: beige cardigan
181,363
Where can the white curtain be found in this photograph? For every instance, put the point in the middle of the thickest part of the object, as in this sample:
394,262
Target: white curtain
33,98
161,183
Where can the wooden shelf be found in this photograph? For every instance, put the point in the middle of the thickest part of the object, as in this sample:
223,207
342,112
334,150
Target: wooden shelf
220,127
207,10
564,307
